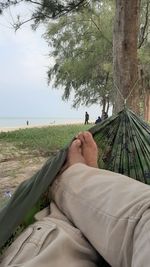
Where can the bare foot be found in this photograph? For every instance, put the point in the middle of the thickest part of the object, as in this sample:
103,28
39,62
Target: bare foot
75,153
89,149
82,150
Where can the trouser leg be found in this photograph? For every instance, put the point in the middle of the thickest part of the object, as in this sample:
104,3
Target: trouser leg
110,209
51,242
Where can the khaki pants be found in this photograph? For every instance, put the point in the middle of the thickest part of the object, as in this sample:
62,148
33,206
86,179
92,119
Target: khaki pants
111,210
51,242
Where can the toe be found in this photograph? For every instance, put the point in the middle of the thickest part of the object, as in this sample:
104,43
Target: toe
76,144
88,138
80,136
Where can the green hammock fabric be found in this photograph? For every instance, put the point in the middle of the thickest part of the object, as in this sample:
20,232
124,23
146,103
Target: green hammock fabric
124,144
124,141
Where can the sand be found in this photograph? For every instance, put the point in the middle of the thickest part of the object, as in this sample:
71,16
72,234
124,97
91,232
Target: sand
10,129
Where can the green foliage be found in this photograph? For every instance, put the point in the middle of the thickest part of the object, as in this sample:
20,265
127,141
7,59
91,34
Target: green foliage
43,140
43,10
82,48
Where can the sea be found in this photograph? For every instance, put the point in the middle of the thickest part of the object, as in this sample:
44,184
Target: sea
35,121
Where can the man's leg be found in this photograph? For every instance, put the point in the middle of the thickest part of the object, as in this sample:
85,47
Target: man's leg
110,209
52,241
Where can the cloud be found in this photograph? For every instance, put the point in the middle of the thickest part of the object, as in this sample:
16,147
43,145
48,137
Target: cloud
24,56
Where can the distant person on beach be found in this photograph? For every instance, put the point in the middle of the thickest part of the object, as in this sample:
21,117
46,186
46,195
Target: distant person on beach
27,123
86,118
98,120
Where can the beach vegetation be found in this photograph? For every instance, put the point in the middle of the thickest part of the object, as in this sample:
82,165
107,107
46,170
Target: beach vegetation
45,140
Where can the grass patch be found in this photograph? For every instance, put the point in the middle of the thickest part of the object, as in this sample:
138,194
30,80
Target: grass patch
44,139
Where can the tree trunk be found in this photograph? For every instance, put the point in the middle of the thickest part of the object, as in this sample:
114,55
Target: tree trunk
147,106
107,109
103,104
125,65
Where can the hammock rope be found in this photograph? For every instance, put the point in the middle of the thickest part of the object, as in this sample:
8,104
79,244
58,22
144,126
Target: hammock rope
132,88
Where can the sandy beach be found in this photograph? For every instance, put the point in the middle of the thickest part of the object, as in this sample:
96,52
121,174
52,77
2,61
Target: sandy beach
10,129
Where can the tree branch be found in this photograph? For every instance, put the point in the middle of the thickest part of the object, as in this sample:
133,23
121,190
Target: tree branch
44,12
101,31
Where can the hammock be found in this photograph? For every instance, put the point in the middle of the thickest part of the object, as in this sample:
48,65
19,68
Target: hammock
124,144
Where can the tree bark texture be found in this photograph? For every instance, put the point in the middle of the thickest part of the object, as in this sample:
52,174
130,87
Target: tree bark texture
103,104
125,61
147,105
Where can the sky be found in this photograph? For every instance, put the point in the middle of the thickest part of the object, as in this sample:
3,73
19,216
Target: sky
23,79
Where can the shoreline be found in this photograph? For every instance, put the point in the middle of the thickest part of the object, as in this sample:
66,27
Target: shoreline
21,127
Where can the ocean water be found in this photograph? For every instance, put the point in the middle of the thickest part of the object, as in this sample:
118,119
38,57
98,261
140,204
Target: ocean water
22,121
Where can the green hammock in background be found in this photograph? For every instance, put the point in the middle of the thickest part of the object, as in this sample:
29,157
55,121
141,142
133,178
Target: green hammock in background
124,147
